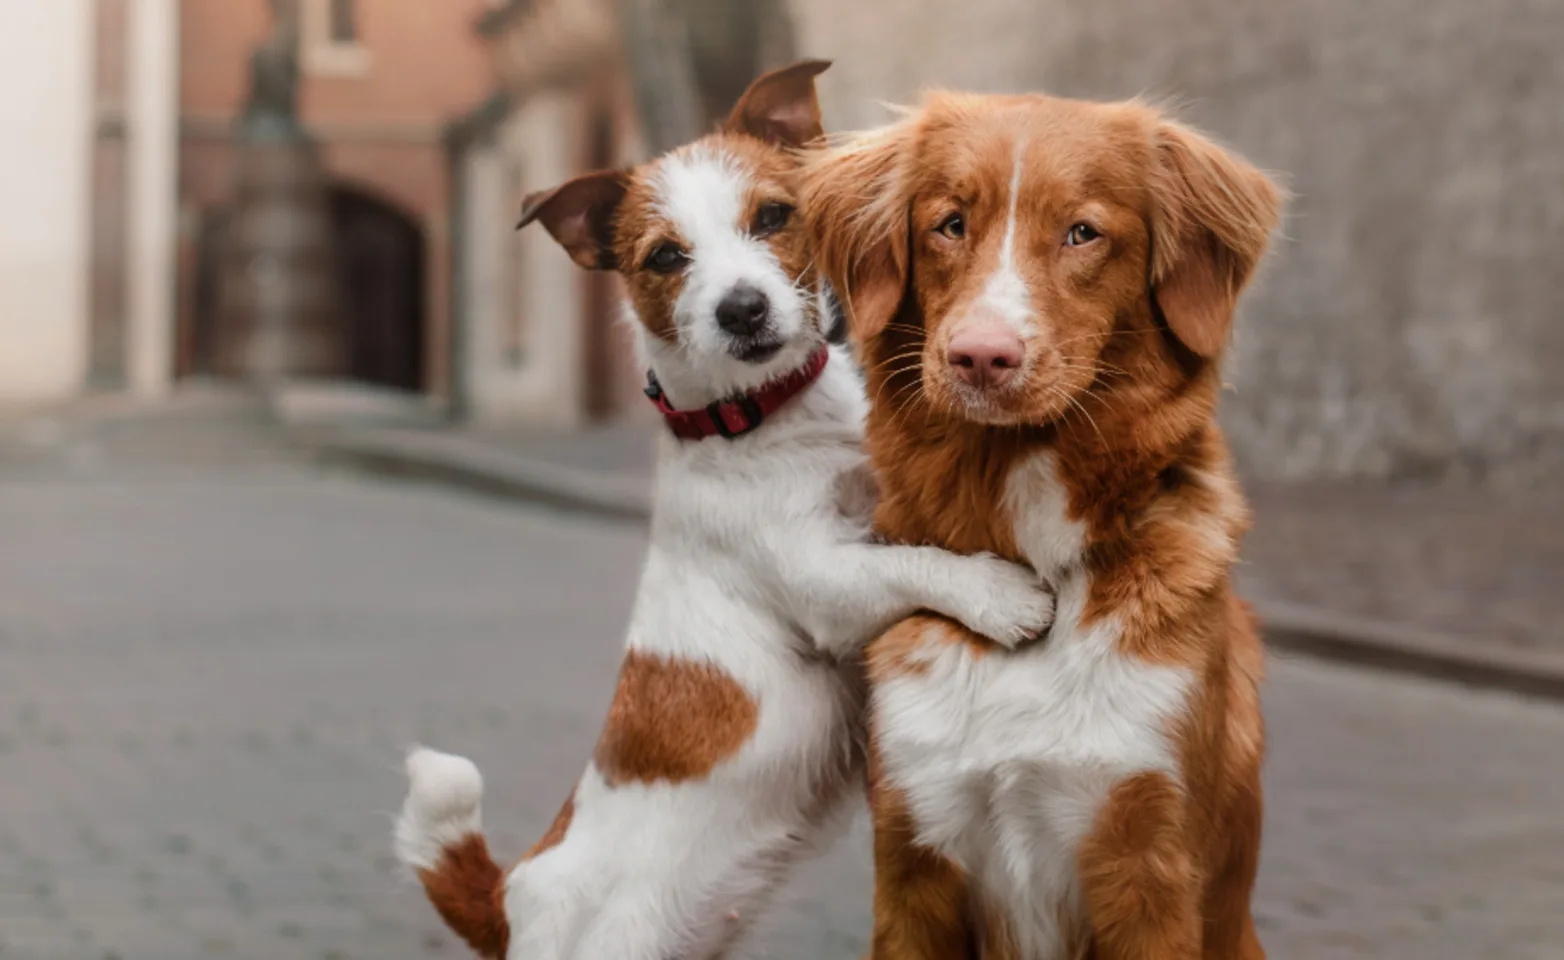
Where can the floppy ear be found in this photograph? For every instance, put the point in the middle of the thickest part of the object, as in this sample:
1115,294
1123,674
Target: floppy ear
579,214
1213,219
856,203
781,107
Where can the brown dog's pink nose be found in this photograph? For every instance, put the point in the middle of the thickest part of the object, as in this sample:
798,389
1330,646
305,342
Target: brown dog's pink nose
985,355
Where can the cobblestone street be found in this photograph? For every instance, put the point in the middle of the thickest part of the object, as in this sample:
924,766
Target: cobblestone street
207,677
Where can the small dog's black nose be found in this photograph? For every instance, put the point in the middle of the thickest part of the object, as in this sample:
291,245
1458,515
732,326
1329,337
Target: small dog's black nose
743,311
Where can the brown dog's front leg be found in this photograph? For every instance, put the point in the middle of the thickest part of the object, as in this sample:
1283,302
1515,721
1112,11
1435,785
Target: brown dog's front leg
922,904
1142,890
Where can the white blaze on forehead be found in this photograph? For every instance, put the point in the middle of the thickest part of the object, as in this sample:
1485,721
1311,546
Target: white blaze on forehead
1005,294
702,192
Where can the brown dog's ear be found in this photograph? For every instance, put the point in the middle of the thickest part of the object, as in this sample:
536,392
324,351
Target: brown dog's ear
579,213
781,107
856,204
874,287
1214,217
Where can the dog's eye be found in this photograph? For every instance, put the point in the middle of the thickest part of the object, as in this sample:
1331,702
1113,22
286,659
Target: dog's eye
770,218
1081,234
666,258
954,227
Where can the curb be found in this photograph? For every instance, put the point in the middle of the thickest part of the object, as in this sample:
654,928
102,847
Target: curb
1394,647
1307,631
304,403
478,469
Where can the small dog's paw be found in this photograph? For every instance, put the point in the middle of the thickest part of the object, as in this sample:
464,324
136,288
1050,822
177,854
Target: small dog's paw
1014,607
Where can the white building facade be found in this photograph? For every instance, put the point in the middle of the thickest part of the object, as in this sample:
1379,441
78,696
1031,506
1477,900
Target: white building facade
49,108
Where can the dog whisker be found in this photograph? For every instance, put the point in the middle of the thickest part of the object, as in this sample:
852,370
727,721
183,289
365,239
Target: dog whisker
909,354
915,395
891,375
1085,413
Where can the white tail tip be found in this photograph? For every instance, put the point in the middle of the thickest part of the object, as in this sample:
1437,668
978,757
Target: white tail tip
442,807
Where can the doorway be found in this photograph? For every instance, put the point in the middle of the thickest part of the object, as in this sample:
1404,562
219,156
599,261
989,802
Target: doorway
380,284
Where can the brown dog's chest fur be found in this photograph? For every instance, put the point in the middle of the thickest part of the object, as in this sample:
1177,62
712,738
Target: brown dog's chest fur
944,486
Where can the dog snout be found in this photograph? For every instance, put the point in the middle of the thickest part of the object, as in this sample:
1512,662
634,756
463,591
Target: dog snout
985,355
744,311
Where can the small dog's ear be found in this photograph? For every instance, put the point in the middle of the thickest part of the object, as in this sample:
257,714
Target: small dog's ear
579,213
781,107
1214,216
856,203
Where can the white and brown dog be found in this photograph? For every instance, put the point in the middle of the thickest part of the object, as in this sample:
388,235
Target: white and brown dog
735,731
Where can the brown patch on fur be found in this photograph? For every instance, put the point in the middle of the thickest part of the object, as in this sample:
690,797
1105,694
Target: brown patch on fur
1120,385
468,889
672,720
922,908
906,648
1141,886
639,228
902,650
995,939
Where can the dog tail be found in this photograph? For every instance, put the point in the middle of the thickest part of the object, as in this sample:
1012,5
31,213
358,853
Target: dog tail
440,836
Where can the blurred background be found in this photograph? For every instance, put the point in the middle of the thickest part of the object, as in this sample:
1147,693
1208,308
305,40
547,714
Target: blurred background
258,272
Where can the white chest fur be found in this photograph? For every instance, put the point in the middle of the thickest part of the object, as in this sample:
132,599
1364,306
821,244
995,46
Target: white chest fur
1005,759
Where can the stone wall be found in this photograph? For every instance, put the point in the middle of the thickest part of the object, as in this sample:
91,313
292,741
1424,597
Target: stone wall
1410,323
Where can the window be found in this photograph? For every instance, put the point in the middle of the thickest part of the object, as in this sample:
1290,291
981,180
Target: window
344,28
333,45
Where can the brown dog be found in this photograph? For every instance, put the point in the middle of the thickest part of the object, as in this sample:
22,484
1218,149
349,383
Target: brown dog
1041,290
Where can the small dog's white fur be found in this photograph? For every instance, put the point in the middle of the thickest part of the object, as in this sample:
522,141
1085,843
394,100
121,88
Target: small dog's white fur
759,565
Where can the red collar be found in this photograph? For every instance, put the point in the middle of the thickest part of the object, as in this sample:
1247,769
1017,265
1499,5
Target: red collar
736,417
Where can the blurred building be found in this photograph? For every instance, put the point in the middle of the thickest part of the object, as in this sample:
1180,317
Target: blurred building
540,337
126,113
1408,326
380,78
414,104
46,103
